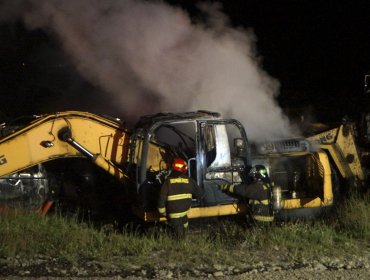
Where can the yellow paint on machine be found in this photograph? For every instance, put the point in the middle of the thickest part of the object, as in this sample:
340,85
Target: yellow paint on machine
196,212
101,137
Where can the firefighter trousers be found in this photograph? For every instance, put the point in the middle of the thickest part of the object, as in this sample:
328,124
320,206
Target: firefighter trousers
178,226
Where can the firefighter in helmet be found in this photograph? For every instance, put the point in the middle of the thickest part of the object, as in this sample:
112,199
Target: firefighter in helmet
176,196
258,193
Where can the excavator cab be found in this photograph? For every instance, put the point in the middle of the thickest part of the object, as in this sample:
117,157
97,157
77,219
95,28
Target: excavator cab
215,149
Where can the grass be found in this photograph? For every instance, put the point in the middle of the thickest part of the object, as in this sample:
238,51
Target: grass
226,242
354,216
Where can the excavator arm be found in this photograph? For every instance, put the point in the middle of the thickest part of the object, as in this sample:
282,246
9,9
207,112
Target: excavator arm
65,135
71,134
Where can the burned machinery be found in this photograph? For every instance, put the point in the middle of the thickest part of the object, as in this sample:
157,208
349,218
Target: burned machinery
83,160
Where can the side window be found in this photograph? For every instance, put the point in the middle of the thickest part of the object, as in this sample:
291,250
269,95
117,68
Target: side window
157,158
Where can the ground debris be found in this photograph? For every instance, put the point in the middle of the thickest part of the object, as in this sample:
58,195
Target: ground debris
49,268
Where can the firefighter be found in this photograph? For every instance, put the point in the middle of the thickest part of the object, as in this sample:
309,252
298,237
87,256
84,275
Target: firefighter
258,193
176,196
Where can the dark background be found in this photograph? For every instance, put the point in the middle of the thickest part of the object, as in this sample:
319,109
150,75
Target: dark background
318,50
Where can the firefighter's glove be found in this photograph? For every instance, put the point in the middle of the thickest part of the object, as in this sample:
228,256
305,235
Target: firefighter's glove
161,176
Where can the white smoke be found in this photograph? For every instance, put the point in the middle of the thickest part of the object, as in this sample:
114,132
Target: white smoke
150,57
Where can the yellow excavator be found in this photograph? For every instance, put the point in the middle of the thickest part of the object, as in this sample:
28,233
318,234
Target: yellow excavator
82,160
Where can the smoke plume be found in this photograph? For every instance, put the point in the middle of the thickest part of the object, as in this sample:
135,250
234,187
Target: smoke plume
150,57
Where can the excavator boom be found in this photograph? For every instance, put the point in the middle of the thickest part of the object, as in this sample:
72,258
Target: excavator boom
44,140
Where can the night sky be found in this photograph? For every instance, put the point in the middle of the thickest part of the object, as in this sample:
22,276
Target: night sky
318,50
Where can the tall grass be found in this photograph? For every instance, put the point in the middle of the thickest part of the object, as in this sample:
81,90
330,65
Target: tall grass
354,216
226,242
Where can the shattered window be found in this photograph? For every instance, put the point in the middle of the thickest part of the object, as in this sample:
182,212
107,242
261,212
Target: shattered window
179,138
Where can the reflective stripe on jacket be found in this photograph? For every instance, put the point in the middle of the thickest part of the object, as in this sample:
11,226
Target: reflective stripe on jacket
176,195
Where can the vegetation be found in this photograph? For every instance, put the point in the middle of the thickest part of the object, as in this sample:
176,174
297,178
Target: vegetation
28,235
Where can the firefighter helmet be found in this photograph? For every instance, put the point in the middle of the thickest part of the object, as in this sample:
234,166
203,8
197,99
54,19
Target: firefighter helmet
179,165
259,172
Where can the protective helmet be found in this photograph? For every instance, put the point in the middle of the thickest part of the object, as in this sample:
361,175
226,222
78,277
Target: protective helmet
179,165
259,172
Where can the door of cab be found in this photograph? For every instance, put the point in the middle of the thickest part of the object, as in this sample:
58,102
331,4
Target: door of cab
221,158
